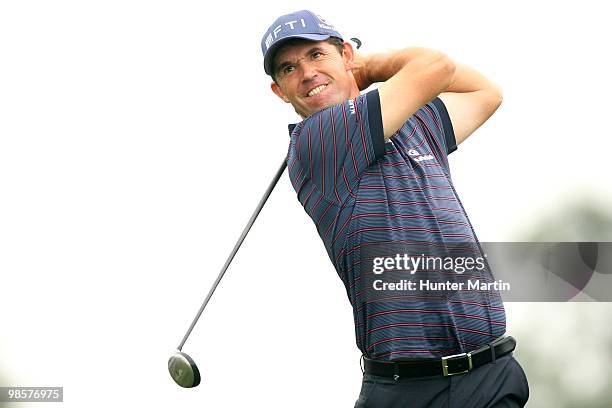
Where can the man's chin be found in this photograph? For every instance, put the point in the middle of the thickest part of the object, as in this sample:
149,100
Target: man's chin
320,106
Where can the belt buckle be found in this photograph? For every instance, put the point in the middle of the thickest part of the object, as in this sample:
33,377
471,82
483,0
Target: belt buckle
445,372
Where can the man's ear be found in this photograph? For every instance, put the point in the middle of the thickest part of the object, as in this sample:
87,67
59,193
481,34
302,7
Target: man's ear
348,55
279,92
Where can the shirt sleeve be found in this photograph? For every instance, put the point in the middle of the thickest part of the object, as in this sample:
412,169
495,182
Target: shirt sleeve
333,147
435,123
448,135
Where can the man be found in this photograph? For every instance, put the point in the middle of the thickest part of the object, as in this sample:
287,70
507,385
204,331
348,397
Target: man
371,170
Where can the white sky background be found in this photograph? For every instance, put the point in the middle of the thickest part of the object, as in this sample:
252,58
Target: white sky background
137,137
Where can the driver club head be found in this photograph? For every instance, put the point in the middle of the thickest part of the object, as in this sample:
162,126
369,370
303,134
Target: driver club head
183,370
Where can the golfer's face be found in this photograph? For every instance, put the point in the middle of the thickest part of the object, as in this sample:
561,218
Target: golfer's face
312,76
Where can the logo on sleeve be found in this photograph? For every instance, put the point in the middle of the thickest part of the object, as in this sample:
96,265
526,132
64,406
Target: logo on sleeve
418,157
351,103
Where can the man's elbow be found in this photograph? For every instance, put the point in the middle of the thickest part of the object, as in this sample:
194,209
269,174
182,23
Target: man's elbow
497,97
490,100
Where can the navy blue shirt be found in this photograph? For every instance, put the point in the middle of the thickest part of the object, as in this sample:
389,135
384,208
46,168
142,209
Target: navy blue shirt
359,191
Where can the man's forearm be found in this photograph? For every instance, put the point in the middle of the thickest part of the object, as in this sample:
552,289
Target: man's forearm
382,66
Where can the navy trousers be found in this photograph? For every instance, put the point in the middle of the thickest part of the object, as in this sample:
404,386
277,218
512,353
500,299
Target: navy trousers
499,384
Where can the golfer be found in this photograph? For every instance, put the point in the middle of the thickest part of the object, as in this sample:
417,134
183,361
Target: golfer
371,169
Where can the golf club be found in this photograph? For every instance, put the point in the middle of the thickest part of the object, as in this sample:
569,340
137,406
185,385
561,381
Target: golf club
183,369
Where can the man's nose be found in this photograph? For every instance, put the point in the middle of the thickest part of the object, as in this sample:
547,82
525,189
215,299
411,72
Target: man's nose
308,70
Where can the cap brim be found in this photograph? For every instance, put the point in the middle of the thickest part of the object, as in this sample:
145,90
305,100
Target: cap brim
272,50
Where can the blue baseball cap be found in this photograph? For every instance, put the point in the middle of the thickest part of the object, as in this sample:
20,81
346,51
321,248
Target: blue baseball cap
301,24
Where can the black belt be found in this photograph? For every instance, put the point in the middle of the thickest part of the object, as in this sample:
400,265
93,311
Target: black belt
445,366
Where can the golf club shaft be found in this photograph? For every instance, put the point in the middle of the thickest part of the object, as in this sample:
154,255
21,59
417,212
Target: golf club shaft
263,200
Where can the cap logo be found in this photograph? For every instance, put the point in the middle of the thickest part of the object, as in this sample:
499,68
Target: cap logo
321,19
289,25
269,41
326,24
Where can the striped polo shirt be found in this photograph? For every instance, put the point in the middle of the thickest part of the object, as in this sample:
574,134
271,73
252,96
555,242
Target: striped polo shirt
361,191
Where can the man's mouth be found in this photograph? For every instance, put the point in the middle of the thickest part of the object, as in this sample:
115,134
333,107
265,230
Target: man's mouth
316,90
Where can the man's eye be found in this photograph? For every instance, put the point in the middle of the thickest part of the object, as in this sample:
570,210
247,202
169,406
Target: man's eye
316,54
288,69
